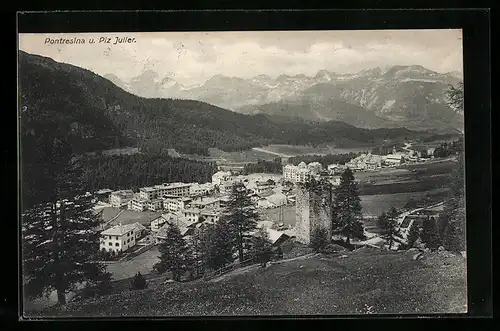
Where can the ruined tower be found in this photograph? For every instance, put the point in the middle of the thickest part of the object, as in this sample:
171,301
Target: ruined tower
313,209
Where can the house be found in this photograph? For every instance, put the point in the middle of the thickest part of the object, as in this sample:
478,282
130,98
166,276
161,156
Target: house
175,203
393,159
261,187
277,199
159,191
264,203
221,176
201,189
276,237
118,238
155,204
104,194
161,235
202,203
335,180
140,230
157,223
138,204
296,174
119,199
210,216
191,214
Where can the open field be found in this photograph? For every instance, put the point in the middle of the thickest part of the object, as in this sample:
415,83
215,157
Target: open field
142,263
221,157
375,204
292,150
367,281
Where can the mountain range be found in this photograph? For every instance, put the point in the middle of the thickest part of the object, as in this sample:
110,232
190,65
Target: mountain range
92,113
409,96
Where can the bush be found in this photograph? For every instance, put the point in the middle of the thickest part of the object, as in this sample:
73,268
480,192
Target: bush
319,239
138,282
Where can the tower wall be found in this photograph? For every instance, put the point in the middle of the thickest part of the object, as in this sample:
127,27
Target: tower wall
312,210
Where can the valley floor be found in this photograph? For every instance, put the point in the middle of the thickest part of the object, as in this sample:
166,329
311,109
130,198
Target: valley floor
365,281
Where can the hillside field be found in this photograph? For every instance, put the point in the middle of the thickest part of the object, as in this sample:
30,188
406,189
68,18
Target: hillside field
365,281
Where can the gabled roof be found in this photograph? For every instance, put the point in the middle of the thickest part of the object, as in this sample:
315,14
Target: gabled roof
119,230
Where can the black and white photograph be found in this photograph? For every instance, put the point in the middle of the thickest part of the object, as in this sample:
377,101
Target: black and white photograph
242,173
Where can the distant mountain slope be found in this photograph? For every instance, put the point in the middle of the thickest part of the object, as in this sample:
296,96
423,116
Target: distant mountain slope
411,96
324,109
97,114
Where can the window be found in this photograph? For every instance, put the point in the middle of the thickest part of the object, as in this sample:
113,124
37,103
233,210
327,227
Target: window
110,244
117,244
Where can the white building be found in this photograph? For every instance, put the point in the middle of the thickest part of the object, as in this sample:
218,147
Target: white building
159,191
212,203
221,176
261,187
157,223
365,162
155,204
174,203
394,159
201,189
296,174
121,198
138,204
118,238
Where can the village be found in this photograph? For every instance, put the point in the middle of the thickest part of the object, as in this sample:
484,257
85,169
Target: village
190,206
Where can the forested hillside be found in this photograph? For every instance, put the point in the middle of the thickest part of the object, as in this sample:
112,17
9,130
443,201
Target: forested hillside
139,170
93,113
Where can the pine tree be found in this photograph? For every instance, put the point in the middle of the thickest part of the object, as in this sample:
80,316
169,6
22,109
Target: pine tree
319,239
175,254
261,247
242,218
387,223
455,206
347,212
413,235
60,238
429,233
218,245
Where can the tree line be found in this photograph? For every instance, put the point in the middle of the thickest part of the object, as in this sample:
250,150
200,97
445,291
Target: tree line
139,170
449,148
262,166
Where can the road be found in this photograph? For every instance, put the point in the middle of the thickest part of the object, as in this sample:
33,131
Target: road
271,152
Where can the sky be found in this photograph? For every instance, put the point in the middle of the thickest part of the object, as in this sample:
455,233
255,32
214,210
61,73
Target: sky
193,57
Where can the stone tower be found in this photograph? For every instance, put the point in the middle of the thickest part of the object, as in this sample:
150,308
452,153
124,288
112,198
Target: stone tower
313,209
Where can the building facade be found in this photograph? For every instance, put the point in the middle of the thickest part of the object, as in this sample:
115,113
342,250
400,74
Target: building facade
120,199
313,210
296,174
119,238
221,176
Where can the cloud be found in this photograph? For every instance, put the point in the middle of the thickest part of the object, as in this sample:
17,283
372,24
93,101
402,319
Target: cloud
194,57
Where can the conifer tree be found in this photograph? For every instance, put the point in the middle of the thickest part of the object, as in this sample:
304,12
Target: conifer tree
347,212
429,233
217,244
261,247
319,239
175,254
413,235
387,223
60,234
242,217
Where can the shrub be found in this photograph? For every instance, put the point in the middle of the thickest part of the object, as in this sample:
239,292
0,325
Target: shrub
138,282
319,239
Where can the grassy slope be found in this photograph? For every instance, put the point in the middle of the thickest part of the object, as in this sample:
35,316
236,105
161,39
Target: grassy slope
390,282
